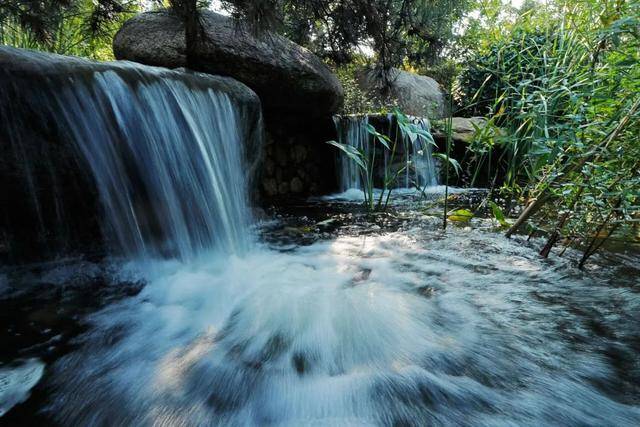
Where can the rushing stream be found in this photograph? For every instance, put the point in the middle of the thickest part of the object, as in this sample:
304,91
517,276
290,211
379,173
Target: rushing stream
201,319
406,327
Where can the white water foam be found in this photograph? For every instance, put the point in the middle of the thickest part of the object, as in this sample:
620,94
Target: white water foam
16,382
357,195
358,331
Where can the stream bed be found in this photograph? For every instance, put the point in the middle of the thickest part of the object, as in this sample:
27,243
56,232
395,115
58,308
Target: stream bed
332,318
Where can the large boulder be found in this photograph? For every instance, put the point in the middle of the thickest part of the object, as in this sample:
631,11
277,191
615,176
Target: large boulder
416,95
463,129
285,76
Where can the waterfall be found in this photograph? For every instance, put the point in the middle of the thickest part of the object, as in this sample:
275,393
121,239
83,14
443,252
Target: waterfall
415,157
360,328
352,130
172,168
165,155
421,171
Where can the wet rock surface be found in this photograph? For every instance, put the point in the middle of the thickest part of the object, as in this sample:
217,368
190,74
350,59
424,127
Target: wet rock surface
305,221
297,160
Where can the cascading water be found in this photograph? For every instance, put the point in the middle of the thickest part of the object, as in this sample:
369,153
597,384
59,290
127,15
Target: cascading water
421,169
352,130
414,156
171,171
166,156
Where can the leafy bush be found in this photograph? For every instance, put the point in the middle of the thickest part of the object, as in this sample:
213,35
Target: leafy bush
566,98
70,27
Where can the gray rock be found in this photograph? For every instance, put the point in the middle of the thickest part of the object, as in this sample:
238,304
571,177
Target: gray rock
417,95
281,156
269,167
285,76
270,187
463,128
283,188
299,153
296,185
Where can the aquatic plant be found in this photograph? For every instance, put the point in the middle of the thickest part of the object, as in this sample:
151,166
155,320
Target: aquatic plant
406,133
386,148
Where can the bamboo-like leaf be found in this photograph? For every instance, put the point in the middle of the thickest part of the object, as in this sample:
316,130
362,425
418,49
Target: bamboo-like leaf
453,162
381,138
351,152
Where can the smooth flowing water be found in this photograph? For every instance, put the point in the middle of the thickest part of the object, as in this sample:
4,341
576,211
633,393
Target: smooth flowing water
176,181
351,130
165,150
421,171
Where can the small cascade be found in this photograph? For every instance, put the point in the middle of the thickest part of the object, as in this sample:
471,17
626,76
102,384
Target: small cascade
421,171
352,130
415,157
165,153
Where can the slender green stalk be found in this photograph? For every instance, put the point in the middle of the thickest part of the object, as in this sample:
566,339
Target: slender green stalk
449,130
371,184
592,156
387,180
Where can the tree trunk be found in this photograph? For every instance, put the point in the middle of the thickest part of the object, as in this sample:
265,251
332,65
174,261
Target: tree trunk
191,32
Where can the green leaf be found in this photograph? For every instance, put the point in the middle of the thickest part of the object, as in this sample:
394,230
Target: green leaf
498,214
372,130
452,161
426,136
460,215
400,116
383,139
351,152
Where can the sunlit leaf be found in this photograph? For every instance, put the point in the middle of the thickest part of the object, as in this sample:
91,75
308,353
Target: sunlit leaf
498,214
460,215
